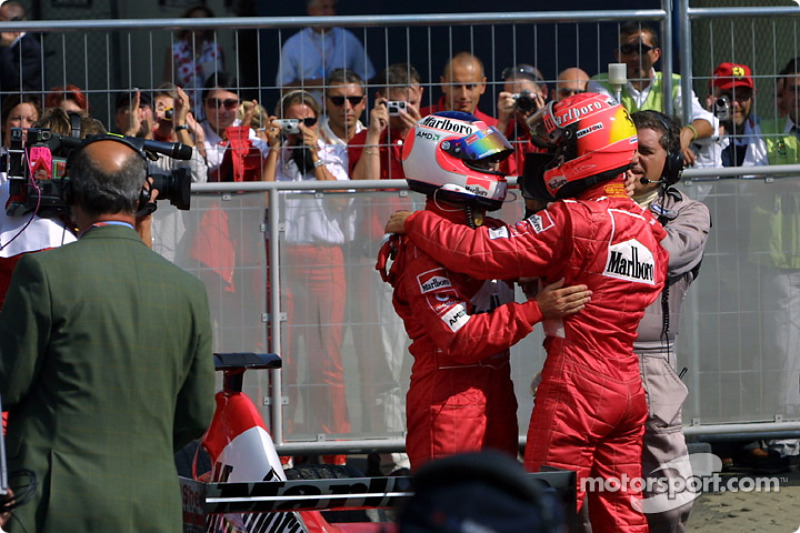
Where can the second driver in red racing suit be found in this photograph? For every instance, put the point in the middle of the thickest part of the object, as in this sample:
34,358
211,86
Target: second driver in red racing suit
590,406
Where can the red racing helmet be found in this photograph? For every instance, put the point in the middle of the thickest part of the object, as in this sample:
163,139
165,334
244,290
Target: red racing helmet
592,137
451,154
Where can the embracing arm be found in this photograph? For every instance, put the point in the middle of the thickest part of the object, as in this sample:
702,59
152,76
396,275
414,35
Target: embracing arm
525,249
437,307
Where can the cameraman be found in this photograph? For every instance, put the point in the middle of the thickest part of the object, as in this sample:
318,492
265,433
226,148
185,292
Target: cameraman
524,93
105,362
30,232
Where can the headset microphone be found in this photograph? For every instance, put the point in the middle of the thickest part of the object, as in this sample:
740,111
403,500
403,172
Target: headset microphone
645,181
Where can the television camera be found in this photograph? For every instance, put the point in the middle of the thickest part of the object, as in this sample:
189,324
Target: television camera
37,171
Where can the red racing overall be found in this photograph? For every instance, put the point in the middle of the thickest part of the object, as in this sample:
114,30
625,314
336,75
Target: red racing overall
461,396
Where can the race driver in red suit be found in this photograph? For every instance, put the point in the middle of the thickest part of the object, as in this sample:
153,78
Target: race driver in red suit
461,396
590,406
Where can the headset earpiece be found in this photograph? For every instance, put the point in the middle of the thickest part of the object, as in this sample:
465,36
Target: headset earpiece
673,166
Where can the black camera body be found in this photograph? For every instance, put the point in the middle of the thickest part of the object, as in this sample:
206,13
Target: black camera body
37,183
175,186
524,101
38,178
722,108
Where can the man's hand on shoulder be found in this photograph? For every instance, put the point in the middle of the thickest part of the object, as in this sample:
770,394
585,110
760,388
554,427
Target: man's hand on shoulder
556,301
397,222
630,182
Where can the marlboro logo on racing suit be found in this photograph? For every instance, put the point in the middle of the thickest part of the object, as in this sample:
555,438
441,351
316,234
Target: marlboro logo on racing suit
430,281
541,222
632,261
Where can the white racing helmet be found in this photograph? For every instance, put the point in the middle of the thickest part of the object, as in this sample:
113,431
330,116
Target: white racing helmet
451,154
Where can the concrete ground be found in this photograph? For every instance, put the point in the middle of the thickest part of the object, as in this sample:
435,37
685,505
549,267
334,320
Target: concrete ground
766,512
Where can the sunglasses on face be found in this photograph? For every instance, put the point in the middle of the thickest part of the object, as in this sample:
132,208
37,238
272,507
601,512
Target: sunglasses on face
742,95
310,121
228,103
339,100
632,48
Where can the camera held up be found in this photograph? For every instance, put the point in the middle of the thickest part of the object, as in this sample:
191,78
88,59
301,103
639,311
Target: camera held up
722,108
38,178
524,101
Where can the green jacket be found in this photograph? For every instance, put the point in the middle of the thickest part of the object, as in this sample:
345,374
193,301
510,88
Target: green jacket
775,219
654,101
106,369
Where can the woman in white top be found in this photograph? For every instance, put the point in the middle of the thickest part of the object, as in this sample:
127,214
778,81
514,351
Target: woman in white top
315,230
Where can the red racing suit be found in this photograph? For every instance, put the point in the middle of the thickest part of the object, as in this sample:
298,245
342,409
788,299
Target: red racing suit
590,406
461,396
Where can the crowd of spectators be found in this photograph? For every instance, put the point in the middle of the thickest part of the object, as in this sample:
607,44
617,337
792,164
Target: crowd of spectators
332,64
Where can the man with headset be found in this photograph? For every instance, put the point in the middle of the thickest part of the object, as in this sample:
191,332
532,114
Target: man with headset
656,169
105,362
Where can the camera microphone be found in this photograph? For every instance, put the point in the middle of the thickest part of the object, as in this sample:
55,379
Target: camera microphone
173,150
645,181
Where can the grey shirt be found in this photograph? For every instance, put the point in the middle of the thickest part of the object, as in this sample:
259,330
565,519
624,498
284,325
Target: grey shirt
687,223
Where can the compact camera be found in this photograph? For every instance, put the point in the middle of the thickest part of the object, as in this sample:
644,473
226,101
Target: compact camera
290,125
722,108
38,179
395,106
524,101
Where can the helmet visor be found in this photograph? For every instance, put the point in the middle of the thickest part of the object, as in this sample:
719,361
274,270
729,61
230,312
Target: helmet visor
487,143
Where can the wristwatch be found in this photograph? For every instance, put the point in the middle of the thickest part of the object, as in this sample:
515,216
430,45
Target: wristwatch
318,163
181,127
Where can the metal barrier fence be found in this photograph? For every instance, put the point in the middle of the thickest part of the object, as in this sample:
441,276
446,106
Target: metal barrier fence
106,57
262,285
734,373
